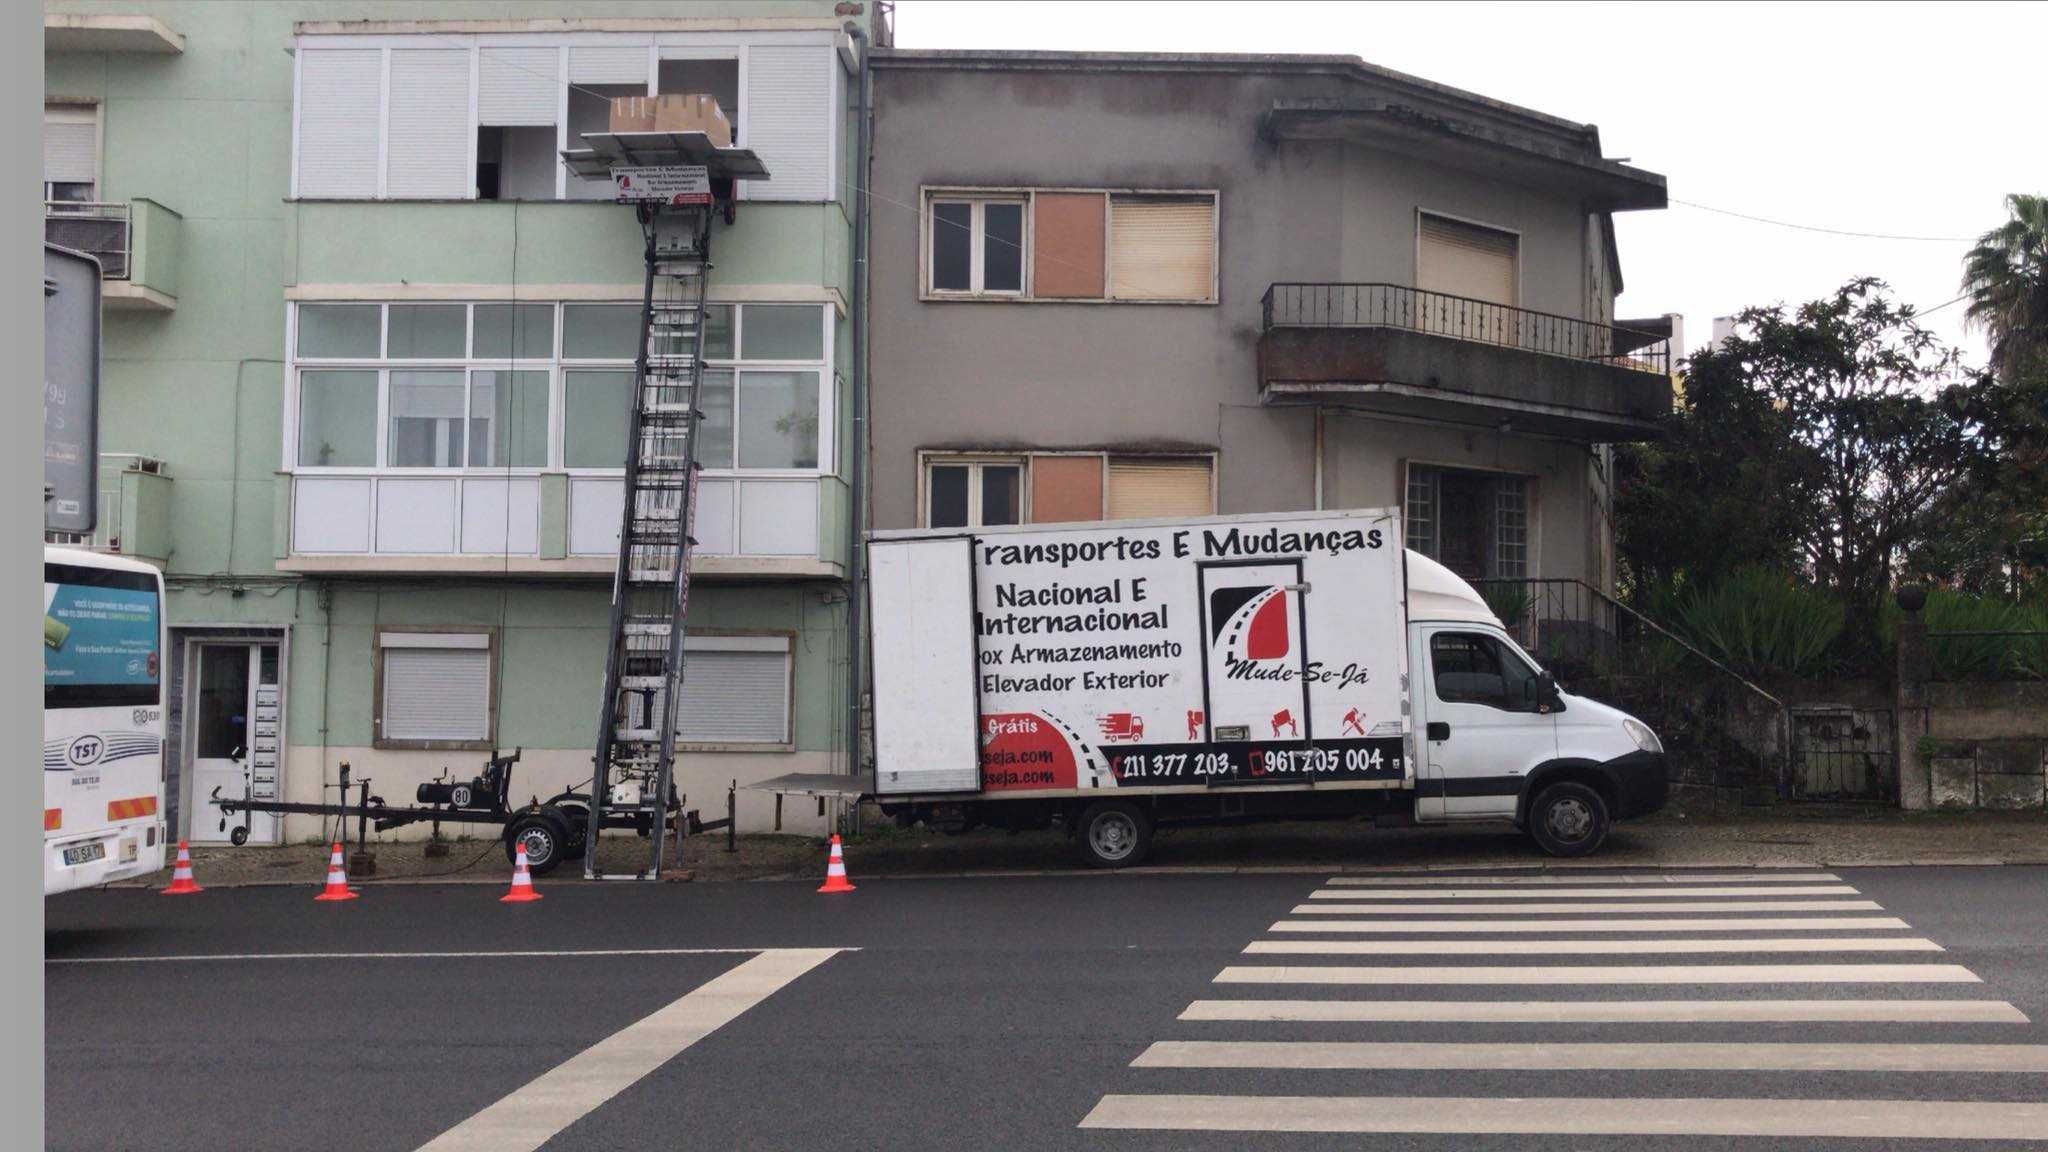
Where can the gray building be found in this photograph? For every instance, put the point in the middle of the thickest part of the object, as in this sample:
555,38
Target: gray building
1127,285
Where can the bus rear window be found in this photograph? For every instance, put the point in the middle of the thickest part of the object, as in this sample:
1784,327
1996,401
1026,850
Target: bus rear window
101,635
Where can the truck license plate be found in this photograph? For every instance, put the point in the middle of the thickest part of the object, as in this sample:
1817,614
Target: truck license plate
85,853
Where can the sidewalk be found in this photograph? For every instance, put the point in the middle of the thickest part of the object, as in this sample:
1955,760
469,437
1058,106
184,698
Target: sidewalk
1825,838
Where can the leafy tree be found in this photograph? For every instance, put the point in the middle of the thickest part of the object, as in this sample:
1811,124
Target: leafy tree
1819,439
2006,279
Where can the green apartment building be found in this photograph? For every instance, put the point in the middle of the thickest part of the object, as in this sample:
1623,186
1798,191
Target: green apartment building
368,353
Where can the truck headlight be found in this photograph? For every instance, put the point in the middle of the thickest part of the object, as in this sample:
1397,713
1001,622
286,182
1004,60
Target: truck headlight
1641,734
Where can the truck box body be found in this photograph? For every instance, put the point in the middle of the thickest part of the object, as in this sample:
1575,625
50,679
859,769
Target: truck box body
1113,677
1141,656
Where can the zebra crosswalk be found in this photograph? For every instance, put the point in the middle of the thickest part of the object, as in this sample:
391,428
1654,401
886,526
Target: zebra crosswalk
1389,971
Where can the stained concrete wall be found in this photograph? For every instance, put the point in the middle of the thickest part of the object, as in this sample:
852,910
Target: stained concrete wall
1050,375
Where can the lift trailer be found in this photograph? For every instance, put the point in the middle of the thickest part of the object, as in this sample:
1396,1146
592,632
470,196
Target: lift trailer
550,830
678,183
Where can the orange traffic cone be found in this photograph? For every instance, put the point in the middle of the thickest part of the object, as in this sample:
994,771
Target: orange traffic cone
182,883
337,879
522,883
835,871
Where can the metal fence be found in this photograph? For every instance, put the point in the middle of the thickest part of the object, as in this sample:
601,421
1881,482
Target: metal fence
1971,654
97,229
1306,305
1728,740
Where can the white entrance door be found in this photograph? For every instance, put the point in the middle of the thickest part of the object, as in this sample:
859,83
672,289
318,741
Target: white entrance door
237,738
1482,731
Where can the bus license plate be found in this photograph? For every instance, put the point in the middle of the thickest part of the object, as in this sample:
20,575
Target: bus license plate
85,853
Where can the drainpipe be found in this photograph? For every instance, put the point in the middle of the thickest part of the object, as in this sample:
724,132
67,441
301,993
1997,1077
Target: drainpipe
1319,459
856,577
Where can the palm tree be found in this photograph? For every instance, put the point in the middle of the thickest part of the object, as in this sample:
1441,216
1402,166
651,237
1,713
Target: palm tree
2006,278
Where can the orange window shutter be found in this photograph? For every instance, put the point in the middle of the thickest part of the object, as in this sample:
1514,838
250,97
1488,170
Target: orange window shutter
1065,488
1066,245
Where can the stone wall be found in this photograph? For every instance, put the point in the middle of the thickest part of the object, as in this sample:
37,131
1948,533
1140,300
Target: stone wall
1984,746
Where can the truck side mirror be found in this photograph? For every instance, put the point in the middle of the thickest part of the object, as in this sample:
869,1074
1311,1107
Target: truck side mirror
1541,690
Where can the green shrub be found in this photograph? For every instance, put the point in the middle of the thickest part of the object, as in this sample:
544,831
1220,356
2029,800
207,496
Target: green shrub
1978,657
1510,602
1759,622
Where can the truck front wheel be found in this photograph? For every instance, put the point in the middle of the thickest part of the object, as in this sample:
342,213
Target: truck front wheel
1568,819
1114,834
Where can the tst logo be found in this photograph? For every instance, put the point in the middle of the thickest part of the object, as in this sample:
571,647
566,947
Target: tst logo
84,751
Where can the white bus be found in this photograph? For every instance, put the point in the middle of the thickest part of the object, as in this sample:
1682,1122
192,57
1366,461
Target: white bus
103,719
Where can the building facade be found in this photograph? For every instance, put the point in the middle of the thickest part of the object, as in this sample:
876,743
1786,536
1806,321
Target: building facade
1124,285
367,356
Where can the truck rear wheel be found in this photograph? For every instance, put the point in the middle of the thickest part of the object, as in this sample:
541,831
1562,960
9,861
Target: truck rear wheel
545,838
1568,819
1114,834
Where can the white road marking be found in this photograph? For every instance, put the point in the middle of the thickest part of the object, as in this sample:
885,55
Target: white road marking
1563,893
520,954
1744,924
557,1098
1588,878
1604,974
1577,1116
1531,909
1585,947
1693,1057
1609,1011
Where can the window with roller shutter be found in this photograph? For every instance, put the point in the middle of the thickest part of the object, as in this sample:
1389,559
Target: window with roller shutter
1468,260
338,112
427,138
736,690
788,121
1162,247
434,690
71,153
1142,488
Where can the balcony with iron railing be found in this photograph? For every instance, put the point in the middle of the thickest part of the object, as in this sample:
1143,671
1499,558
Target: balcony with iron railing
136,243
1406,351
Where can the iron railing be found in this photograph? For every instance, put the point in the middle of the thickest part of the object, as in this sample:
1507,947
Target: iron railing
1304,305
1726,738
95,228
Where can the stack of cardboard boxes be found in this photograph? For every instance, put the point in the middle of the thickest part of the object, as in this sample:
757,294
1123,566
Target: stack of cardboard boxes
673,112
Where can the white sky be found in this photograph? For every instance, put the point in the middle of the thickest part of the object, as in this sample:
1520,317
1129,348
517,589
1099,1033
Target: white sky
1891,118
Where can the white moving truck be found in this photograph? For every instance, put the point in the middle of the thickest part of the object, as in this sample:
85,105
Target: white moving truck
1116,676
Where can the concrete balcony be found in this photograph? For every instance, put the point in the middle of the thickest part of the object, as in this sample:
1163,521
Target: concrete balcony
546,523
134,510
135,242
1405,352
109,32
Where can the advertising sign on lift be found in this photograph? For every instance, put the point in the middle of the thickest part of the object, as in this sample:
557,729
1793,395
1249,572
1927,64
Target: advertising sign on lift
669,184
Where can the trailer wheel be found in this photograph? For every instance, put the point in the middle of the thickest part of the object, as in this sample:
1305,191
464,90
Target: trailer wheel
1114,834
544,837
239,836
1568,819
575,822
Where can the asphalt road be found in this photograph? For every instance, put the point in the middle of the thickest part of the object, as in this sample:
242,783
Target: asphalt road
1024,1012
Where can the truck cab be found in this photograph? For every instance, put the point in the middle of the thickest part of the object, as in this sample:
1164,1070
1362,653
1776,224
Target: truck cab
1495,738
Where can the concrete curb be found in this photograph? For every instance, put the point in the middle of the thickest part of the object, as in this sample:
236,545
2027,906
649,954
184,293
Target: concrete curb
688,875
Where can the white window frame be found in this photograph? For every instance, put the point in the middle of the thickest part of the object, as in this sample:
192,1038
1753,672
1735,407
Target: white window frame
974,462
1532,510
422,636
977,241
931,195
556,365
